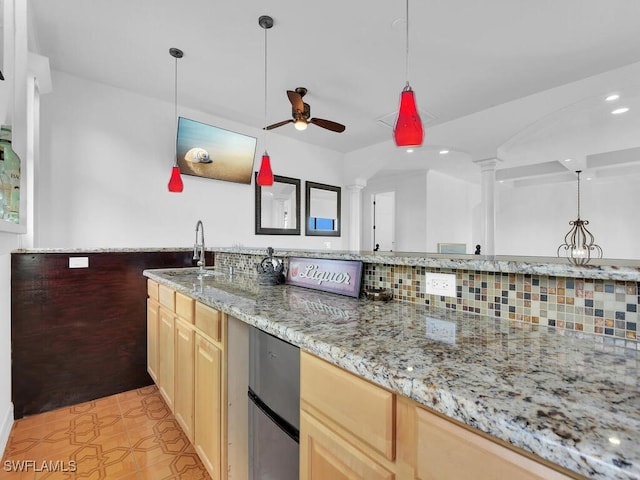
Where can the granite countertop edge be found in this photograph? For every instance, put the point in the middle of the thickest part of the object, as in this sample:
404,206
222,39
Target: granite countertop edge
608,269
477,410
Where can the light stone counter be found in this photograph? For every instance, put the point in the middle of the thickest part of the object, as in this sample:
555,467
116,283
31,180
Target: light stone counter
571,399
605,269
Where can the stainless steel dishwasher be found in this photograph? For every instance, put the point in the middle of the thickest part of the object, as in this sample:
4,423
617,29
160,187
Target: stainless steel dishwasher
274,407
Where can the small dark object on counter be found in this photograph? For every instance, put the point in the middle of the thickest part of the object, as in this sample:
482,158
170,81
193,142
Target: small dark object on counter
270,270
384,294
477,252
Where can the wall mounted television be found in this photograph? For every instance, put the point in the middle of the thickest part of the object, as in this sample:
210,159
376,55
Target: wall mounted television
212,152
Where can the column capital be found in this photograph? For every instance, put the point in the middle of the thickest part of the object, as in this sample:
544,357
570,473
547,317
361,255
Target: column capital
358,184
487,164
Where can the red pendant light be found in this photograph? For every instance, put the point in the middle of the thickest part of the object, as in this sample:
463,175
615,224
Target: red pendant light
408,131
265,175
175,182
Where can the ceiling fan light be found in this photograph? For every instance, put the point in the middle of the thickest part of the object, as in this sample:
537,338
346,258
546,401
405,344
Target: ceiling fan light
175,182
408,131
300,124
265,175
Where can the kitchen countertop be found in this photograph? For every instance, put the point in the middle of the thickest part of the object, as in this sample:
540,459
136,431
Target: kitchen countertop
570,398
603,269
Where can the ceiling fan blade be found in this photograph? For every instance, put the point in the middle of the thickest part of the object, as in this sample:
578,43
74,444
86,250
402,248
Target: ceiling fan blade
279,124
328,124
296,100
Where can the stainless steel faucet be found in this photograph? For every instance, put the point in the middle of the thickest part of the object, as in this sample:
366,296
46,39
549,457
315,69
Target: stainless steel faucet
198,248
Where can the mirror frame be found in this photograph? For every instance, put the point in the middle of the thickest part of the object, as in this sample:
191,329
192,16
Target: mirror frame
260,230
321,233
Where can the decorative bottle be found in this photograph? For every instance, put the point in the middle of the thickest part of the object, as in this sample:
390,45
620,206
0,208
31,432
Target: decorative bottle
11,179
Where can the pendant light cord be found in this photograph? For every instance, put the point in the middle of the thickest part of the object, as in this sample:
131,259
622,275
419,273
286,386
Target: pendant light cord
578,172
407,43
175,106
265,90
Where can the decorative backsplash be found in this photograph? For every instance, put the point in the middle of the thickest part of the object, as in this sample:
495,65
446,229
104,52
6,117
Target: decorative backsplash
603,307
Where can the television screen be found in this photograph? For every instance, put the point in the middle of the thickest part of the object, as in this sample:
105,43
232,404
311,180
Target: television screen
207,151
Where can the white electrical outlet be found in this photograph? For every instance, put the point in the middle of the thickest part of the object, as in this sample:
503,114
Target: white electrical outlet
78,262
443,284
441,330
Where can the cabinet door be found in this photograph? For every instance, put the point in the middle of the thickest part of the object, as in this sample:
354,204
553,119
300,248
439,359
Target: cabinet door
324,455
166,355
152,338
447,451
184,371
208,434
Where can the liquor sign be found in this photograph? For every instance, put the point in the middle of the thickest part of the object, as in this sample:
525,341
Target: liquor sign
334,276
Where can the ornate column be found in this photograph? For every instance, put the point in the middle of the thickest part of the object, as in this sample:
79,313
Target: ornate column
354,193
487,194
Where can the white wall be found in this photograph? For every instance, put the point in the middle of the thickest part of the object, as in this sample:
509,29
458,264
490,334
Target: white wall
411,210
8,242
452,212
534,220
106,156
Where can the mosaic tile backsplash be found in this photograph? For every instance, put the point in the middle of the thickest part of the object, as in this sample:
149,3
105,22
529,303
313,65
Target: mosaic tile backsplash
603,307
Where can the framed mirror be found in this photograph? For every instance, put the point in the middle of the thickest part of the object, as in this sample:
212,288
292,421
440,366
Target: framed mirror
322,210
278,207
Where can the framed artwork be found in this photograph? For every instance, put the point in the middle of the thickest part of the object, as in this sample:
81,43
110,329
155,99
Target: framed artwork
207,151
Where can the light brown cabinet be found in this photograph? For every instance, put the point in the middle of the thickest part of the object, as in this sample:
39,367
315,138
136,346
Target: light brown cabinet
152,338
208,405
347,425
184,376
187,355
353,429
446,450
166,358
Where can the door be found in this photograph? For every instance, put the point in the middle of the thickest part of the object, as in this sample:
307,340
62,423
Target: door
184,370
152,338
384,221
325,455
166,319
208,403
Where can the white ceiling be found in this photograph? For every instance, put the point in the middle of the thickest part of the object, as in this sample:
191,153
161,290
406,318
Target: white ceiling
466,56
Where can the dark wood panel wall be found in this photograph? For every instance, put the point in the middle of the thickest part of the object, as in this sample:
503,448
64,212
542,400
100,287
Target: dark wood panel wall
78,334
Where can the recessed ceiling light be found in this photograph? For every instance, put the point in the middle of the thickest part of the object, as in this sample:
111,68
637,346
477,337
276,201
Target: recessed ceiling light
618,111
612,97
444,152
409,150
567,159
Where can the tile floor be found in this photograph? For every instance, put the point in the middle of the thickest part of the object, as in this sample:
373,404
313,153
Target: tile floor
131,435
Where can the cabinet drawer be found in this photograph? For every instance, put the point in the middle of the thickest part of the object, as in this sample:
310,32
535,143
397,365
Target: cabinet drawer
152,289
362,408
167,297
447,450
185,307
208,320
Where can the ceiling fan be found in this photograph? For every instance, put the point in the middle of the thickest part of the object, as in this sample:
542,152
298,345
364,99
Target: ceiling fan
300,113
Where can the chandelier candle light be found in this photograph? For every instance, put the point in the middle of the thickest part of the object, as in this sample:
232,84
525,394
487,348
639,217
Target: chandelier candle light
408,131
579,244
175,182
265,175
